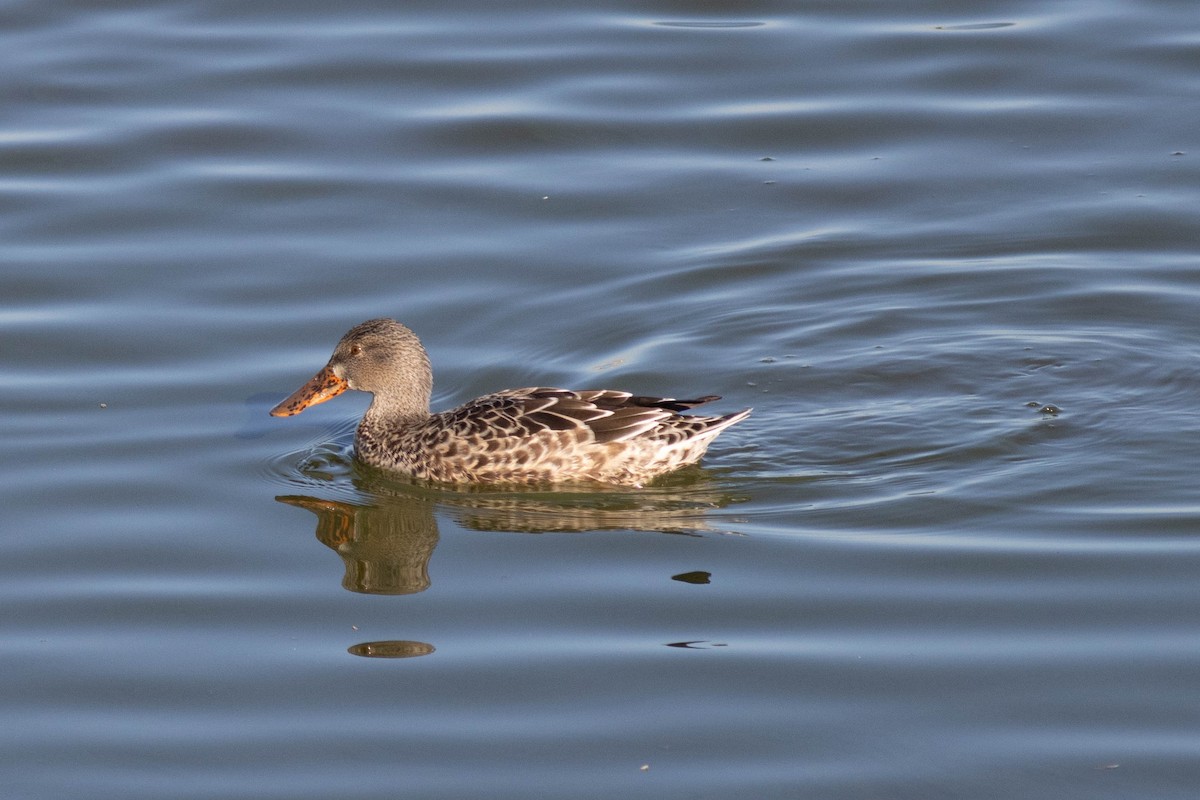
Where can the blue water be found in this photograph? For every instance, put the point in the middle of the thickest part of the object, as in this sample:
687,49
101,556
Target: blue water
948,254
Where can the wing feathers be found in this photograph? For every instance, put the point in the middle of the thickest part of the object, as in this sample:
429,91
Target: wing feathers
607,415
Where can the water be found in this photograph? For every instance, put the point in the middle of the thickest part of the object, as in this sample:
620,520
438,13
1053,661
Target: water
949,255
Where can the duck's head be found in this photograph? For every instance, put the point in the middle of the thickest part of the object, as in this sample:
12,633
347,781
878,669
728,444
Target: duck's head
380,356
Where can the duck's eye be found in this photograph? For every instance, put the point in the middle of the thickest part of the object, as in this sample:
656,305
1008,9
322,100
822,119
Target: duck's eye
356,350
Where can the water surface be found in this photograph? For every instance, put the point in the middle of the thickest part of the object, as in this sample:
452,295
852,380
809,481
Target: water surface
949,255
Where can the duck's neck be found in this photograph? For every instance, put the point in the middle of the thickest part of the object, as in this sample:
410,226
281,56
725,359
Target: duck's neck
392,413
385,434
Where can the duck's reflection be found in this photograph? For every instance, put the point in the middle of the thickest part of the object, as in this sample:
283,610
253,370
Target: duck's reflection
387,540
386,548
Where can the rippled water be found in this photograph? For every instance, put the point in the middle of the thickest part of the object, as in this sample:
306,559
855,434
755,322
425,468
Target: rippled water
949,255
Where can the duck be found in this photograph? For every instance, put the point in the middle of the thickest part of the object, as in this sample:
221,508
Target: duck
535,435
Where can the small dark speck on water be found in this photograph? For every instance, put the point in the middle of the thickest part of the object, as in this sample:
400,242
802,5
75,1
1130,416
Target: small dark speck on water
1179,153
766,158
1049,409
766,360
697,577
769,183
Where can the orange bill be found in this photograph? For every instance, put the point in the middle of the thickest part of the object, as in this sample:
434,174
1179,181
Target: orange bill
323,386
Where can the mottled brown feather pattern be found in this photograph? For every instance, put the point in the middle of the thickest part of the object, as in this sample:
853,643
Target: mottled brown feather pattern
531,435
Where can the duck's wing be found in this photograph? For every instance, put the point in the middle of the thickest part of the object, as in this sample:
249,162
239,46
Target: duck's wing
598,415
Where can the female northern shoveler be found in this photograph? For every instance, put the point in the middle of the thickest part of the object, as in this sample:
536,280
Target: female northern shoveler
527,436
